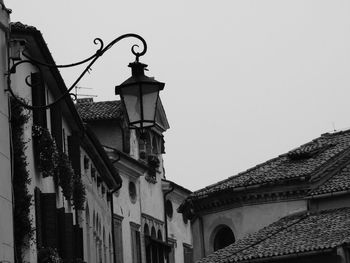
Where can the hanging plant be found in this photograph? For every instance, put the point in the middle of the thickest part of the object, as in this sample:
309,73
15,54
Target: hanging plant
79,194
47,150
49,255
23,230
64,175
153,161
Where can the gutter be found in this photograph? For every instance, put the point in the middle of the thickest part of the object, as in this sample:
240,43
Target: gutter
165,217
329,194
112,224
291,256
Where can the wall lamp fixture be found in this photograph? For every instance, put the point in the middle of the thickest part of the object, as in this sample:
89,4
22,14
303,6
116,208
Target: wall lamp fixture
139,94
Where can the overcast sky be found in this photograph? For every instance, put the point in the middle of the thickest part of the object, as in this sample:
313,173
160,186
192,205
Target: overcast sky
246,80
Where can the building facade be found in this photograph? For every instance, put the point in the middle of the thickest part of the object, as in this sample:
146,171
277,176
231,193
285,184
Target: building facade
6,201
142,230
293,208
69,176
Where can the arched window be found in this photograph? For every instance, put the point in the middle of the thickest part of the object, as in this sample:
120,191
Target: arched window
155,149
159,235
169,209
153,232
146,230
132,192
154,248
147,244
223,237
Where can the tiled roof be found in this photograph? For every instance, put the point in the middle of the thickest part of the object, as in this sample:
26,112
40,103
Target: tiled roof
293,234
21,26
337,183
298,164
103,110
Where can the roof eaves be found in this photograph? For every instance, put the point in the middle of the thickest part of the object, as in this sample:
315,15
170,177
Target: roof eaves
19,28
116,179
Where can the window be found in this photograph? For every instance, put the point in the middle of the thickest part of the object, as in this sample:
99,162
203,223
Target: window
184,218
223,237
118,238
135,242
132,192
155,247
169,209
188,253
172,243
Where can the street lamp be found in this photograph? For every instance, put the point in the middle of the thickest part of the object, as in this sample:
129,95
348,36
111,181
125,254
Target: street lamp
139,95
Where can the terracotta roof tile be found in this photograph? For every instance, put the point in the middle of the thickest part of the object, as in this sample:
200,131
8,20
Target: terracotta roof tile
103,110
297,164
337,183
292,234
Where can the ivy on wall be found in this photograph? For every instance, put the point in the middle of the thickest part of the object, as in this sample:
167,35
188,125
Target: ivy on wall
55,163
48,154
49,255
79,193
64,175
23,230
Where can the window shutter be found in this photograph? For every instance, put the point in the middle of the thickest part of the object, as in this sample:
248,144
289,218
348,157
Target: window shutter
38,99
138,246
38,223
118,239
60,227
49,220
172,253
56,124
74,153
188,254
79,245
126,140
68,238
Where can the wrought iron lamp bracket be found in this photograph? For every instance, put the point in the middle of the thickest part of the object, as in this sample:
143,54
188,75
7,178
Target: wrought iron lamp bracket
92,59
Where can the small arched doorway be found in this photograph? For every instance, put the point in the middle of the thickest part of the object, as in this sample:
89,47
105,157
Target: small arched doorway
223,237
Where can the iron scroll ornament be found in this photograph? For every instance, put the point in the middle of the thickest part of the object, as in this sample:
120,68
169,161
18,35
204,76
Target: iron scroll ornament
92,59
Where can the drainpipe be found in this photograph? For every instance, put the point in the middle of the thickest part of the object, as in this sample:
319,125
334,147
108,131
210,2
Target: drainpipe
112,209
165,218
8,80
201,225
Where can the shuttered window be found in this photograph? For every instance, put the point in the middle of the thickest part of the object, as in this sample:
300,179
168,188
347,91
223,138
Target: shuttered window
39,115
38,99
38,222
49,220
171,255
188,253
68,238
74,153
60,227
56,124
135,242
118,238
79,243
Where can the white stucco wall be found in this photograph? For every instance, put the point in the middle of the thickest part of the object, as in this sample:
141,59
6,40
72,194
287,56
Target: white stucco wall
129,210
178,230
96,204
104,130
6,226
243,220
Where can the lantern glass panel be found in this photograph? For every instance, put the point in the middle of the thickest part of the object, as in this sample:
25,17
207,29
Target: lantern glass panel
131,96
149,101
